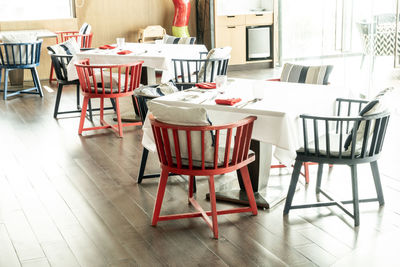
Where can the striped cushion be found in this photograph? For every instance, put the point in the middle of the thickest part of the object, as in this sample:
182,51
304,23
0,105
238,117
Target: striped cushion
69,47
168,39
380,103
85,29
306,74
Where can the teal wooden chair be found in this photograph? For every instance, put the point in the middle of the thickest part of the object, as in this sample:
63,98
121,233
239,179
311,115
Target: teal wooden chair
20,56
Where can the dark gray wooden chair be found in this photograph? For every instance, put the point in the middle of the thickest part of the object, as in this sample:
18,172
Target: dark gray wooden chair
188,72
142,105
60,63
328,148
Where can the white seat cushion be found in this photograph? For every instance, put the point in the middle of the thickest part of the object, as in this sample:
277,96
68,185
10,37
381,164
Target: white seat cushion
188,117
19,38
334,142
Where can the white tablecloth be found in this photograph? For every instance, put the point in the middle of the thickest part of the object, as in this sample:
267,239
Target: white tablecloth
277,113
37,33
155,56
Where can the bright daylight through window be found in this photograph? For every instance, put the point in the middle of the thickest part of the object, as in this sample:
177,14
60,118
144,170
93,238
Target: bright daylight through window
35,10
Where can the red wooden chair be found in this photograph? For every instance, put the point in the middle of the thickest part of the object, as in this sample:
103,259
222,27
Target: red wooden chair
84,41
107,81
176,147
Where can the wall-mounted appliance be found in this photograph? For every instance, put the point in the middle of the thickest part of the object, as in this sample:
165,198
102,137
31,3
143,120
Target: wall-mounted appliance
258,42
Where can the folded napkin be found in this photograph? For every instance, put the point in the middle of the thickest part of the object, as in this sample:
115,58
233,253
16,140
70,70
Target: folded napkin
107,47
228,101
124,52
206,85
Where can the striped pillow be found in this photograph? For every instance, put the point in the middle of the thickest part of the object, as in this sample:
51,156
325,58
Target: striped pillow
69,47
306,74
85,29
168,39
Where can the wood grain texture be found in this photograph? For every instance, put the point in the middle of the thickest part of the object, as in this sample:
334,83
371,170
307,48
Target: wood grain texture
70,200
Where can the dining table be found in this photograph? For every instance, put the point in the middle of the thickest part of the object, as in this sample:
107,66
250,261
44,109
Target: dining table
277,131
39,33
154,56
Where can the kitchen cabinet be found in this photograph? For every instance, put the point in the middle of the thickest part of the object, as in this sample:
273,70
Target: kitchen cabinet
232,17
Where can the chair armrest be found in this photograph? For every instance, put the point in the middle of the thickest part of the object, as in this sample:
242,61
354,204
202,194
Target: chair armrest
350,100
330,118
66,32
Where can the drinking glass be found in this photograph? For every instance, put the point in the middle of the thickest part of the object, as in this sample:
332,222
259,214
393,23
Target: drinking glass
221,82
120,43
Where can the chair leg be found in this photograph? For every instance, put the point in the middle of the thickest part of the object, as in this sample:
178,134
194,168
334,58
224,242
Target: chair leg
51,72
58,98
90,110
119,118
112,100
213,203
143,162
306,172
101,109
83,114
319,178
194,185
249,189
1,73
377,181
35,77
354,185
5,83
160,195
292,186
191,180
78,97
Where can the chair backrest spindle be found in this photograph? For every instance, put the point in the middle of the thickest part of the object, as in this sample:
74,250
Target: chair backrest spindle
171,152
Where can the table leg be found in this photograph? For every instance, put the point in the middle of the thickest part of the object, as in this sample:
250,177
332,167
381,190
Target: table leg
148,78
259,171
151,76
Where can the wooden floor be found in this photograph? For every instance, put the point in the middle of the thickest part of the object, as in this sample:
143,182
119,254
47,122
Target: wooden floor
70,200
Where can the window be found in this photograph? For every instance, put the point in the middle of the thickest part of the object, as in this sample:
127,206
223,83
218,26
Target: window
35,10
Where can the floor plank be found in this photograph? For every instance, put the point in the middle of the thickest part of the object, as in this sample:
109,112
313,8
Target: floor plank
70,200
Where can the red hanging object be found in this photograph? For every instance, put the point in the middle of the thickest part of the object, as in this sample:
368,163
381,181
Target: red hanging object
181,18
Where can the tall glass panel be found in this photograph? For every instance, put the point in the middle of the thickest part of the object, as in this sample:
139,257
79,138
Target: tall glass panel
356,36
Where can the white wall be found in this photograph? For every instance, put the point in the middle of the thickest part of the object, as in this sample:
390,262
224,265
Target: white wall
242,6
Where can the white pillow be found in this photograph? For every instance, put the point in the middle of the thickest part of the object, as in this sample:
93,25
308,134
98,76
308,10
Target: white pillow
19,37
85,29
189,117
223,52
379,104
69,47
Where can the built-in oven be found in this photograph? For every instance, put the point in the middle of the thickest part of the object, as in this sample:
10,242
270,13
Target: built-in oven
259,42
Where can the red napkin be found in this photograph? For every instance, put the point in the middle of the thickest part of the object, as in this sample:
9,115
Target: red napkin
229,101
206,85
107,47
124,52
